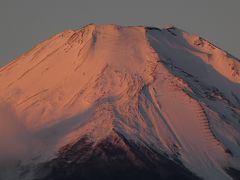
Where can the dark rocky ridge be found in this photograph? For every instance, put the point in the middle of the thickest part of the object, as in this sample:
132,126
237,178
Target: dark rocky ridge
115,157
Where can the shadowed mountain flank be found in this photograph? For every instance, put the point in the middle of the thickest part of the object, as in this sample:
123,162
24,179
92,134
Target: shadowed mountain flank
113,157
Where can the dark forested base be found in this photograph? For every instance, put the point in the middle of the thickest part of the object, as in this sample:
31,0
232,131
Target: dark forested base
234,173
113,158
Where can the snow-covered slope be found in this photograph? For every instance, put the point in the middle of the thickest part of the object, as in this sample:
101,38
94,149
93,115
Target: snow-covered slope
163,89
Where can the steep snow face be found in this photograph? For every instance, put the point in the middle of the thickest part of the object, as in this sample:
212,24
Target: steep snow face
211,89
163,88
198,57
45,81
72,79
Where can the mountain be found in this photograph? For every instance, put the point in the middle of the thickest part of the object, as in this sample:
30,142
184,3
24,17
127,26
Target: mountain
108,101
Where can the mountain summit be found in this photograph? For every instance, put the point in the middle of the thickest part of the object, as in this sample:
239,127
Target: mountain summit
108,101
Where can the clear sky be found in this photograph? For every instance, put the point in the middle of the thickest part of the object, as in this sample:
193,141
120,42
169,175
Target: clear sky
25,23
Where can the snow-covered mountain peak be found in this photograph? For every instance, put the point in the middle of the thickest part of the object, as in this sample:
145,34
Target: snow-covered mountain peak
166,90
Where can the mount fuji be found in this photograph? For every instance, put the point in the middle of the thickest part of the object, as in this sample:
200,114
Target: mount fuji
121,102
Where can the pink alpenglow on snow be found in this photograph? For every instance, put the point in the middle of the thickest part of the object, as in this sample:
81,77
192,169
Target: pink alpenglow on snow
167,91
